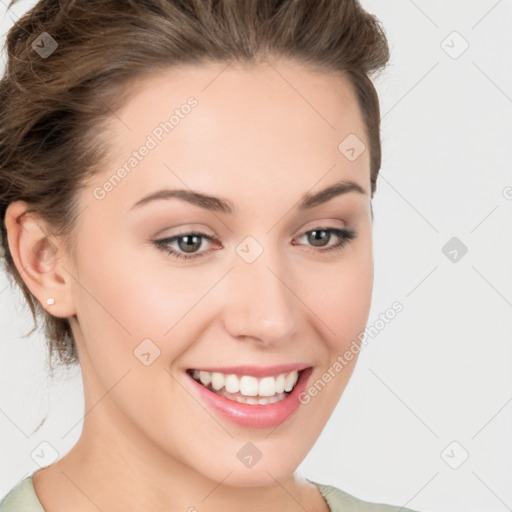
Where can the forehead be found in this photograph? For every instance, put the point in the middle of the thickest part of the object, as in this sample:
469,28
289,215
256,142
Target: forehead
276,121
253,89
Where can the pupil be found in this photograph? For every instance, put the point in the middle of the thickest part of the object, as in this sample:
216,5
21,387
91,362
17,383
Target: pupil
319,238
190,246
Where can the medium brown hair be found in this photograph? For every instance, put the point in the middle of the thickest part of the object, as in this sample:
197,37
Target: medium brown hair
51,108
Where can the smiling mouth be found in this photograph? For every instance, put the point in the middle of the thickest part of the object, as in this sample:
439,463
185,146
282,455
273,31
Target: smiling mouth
248,389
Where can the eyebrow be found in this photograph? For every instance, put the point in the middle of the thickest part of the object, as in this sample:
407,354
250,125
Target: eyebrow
222,205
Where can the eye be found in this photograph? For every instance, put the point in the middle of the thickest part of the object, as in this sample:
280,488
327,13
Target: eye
320,237
188,244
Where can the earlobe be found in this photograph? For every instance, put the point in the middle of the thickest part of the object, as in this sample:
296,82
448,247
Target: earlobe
38,258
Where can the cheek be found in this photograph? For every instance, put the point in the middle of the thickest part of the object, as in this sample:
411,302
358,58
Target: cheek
129,300
130,291
136,308
340,293
341,300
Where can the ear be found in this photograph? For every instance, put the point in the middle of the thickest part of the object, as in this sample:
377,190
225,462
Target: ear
40,259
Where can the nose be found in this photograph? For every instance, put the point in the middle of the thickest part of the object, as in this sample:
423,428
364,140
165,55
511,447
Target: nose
261,303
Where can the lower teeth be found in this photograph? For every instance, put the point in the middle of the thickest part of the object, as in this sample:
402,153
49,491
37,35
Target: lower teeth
251,400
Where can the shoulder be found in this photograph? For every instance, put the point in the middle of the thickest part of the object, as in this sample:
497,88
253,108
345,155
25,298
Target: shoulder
21,498
340,501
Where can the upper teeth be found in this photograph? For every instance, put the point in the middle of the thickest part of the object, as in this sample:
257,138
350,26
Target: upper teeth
248,385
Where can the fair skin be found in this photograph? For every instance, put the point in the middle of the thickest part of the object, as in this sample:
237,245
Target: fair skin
148,442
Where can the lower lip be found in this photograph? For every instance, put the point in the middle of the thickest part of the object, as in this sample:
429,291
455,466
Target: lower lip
254,416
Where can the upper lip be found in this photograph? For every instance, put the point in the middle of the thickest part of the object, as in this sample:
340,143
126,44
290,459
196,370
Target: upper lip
256,371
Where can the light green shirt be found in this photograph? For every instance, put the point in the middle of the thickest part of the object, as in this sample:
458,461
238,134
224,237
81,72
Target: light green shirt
22,498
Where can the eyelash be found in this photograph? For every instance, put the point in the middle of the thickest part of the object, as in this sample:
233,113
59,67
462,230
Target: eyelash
345,235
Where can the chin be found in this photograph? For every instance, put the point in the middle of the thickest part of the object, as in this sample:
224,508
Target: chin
231,471
252,477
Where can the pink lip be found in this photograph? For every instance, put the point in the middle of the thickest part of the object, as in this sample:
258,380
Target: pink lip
256,371
254,416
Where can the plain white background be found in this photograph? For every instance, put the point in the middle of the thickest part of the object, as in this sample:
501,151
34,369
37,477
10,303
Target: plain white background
426,420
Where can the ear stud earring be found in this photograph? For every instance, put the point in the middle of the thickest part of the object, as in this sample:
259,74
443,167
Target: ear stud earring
50,301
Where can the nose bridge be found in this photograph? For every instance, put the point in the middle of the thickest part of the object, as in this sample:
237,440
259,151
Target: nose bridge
262,305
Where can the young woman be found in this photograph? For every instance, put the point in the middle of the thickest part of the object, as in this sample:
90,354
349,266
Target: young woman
186,194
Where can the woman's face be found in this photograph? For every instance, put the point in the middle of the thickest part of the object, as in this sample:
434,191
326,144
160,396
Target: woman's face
265,291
